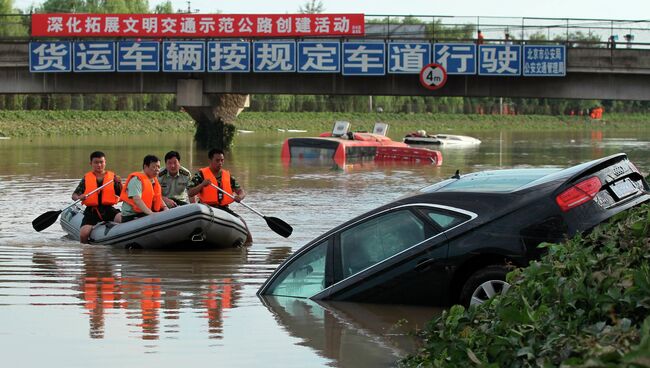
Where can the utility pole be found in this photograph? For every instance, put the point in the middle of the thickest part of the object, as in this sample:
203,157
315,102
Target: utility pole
189,8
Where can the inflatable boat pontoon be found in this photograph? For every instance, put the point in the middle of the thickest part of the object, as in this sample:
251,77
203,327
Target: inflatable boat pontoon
193,226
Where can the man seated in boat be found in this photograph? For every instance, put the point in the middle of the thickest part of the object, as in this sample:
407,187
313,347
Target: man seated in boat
143,195
173,181
99,205
202,185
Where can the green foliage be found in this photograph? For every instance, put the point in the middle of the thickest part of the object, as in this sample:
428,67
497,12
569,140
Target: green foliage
70,122
12,26
164,8
586,303
311,7
95,6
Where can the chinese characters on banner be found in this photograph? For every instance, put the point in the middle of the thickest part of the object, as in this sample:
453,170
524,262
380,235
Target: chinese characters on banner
544,61
288,56
197,25
503,60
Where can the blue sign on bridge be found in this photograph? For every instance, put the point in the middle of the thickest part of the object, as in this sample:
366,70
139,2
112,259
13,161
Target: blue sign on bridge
364,58
94,57
408,58
183,56
319,57
544,61
274,57
138,56
499,60
369,58
229,57
50,57
456,58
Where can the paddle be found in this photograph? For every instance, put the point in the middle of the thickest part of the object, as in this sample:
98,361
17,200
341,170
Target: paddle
44,221
277,225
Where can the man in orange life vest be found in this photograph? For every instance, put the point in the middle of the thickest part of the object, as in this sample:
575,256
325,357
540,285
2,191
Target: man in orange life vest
99,205
143,195
216,174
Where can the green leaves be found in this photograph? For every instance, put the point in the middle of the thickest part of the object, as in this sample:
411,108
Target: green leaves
585,303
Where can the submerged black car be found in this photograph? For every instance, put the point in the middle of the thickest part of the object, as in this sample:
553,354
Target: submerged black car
452,242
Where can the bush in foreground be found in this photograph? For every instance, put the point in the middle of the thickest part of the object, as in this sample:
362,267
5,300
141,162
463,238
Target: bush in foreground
586,303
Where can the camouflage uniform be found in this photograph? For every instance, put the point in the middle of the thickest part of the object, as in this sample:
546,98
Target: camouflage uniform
175,187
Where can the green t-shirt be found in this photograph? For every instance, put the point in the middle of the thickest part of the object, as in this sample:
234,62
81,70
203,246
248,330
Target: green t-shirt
133,189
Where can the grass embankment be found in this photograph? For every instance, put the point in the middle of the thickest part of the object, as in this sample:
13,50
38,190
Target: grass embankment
586,304
40,123
436,122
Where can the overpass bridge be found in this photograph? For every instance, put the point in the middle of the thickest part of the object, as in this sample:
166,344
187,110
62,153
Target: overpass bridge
594,70
591,73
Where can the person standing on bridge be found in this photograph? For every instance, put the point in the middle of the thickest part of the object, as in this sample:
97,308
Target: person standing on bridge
507,40
173,181
214,174
479,38
143,195
99,205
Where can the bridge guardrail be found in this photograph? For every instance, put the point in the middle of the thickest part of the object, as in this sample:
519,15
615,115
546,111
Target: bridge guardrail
574,32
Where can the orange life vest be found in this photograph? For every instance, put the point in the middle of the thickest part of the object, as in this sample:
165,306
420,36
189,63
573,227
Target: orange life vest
109,197
151,193
210,195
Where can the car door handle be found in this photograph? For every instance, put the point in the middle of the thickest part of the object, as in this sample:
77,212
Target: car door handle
424,264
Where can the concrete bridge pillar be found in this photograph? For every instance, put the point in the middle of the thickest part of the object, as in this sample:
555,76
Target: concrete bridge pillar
214,114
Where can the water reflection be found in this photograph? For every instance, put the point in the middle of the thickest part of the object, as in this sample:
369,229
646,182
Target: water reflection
352,334
148,287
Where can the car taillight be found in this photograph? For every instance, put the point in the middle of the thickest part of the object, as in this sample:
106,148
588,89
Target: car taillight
578,194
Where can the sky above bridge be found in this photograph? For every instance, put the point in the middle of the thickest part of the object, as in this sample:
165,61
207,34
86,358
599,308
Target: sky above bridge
595,9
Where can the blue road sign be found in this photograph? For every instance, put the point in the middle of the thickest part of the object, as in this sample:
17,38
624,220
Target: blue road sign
499,60
544,60
274,57
456,58
50,57
94,56
229,57
319,57
408,57
183,56
364,58
138,56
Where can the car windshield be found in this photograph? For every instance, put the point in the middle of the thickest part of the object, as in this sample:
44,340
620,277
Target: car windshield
491,181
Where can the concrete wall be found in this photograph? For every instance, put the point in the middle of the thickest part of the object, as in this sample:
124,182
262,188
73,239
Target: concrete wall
592,74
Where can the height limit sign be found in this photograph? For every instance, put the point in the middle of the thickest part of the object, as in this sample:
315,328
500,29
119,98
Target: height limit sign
433,76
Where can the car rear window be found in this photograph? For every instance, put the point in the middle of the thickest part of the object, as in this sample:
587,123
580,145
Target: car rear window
491,181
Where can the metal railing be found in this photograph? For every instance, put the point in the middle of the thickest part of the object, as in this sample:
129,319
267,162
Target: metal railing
581,32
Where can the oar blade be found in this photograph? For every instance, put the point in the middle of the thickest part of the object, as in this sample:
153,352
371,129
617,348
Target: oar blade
45,220
279,226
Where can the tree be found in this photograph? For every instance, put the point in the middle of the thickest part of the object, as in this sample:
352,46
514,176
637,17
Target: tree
12,25
164,8
311,7
62,6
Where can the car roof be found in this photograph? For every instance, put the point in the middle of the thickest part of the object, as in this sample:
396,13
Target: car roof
492,181
512,180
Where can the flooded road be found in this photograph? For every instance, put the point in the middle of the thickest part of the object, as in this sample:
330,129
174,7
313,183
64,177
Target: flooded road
62,303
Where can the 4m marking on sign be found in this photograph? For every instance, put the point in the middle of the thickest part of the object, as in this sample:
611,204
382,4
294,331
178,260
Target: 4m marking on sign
433,76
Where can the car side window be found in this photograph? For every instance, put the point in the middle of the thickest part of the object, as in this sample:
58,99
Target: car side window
379,238
305,276
445,219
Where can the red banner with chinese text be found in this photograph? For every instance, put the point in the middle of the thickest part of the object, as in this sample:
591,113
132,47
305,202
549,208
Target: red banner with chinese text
197,25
